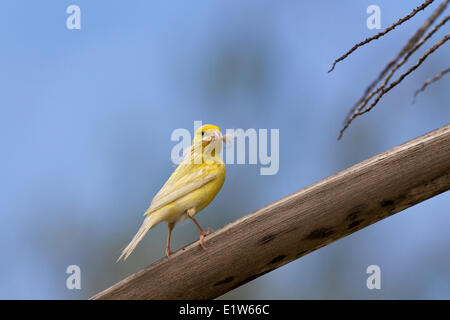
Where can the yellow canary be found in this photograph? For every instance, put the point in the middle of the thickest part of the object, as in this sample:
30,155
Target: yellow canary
190,188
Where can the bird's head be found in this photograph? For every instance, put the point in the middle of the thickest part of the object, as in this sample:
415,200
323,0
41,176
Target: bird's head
206,134
209,138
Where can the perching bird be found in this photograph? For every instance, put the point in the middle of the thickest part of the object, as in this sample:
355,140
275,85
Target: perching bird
190,188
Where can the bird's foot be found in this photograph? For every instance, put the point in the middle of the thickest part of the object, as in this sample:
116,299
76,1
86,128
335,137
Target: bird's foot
203,234
168,252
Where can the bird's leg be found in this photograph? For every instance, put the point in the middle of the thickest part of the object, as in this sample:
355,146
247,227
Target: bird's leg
170,226
203,234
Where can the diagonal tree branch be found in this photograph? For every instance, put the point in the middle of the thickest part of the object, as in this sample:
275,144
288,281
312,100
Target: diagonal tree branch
298,224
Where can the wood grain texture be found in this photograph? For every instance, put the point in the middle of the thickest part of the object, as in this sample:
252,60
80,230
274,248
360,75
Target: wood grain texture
298,224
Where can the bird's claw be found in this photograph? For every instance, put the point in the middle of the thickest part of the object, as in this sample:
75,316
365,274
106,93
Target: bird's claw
203,234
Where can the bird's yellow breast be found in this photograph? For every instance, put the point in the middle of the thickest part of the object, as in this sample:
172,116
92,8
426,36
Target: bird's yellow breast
197,199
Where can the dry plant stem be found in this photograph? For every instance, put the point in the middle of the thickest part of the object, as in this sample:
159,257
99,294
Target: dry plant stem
382,33
398,65
298,224
393,84
429,81
396,82
419,33
405,49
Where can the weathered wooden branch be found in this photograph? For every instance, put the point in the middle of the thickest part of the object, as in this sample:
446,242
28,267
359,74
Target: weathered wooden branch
298,224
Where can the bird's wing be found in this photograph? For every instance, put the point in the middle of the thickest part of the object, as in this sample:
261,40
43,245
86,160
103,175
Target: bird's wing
185,179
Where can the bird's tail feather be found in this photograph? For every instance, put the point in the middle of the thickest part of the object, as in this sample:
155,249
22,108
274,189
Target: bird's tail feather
148,223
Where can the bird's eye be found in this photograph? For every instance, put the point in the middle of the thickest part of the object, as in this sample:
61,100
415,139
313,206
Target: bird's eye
203,133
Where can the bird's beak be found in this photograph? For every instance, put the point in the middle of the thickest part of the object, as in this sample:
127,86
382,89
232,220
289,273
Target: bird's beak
216,135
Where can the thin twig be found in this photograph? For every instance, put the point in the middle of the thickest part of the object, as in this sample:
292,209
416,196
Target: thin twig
382,33
404,75
401,63
396,82
429,81
419,33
